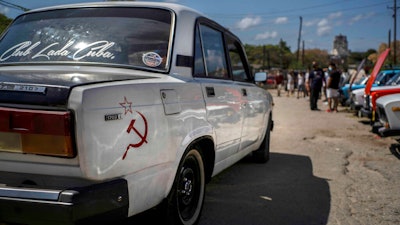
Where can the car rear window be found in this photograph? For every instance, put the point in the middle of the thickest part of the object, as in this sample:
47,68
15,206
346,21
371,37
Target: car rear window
138,37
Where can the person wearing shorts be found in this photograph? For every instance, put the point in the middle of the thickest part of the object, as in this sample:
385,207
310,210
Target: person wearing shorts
332,92
301,87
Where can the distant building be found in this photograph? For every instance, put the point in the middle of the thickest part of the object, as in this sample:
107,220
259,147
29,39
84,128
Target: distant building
340,49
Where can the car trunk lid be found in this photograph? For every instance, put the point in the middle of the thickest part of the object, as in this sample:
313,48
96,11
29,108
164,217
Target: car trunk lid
48,88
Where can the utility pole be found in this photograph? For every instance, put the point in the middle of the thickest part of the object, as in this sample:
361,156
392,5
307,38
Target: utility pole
302,55
394,33
263,61
389,39
299,39
280,53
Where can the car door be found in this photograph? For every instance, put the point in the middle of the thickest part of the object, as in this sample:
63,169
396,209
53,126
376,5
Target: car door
223,98
253,102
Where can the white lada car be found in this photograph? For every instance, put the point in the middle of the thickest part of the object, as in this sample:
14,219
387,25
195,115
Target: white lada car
109,109
388,109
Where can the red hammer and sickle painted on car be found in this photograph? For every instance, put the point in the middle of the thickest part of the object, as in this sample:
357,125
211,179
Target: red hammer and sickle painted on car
143,136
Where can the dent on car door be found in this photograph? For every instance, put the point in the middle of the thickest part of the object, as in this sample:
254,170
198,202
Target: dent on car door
255,121
223,99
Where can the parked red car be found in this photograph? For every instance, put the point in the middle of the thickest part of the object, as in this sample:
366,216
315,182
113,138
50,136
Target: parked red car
271,81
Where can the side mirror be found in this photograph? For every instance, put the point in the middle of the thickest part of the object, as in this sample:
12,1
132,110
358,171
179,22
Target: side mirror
260,77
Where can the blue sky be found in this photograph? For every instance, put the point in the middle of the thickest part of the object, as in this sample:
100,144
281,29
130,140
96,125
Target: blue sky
366,23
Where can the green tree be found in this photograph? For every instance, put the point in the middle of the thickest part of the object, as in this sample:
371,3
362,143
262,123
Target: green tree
4,22
286,56
318,55
369,52
269,56
356,57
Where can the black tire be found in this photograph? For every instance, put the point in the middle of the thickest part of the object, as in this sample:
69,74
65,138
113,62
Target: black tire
185,201
261,155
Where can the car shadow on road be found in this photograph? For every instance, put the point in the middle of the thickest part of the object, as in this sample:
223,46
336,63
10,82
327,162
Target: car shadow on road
283,191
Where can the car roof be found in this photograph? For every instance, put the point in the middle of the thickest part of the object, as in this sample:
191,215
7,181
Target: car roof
175,7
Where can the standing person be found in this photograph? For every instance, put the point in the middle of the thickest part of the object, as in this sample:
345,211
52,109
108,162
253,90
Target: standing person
315,80
279,82
307,83
324,85
301,88
332,91
290,84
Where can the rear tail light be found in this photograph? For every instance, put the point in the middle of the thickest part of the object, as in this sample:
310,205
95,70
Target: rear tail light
36,132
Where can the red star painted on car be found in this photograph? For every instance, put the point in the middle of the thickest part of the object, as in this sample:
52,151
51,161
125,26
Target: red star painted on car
126,105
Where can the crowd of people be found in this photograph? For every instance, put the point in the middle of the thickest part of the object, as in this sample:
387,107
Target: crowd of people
313,84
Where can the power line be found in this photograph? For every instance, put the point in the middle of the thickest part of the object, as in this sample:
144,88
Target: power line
14,6
297,10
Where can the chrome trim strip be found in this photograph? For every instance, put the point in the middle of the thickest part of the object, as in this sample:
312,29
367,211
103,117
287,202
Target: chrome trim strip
29,193
35,201
6,86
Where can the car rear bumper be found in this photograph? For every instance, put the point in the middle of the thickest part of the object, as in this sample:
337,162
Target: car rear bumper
83,205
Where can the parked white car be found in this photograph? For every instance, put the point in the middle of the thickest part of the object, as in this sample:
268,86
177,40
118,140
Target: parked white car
357,99
388,109
109,109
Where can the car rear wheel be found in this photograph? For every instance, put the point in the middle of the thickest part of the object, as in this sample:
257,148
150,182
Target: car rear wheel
261,155
185,201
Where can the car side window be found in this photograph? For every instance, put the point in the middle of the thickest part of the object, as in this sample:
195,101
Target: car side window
210,53
237,60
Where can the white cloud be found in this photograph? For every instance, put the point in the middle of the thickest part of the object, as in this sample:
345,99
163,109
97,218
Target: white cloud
370,14
322,23
281,20
323,27
266,35
248,22
335,15
356,18
361,17
310,23
324,30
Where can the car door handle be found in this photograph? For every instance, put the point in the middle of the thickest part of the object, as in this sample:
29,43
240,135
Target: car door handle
244,92
210,91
